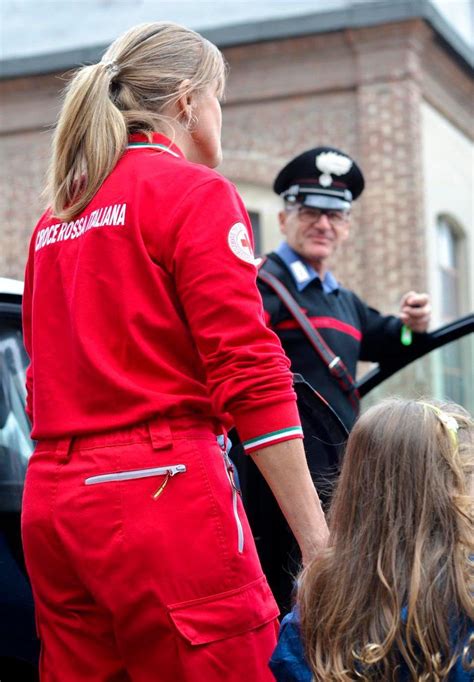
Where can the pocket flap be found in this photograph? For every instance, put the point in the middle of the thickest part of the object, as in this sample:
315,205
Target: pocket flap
225,615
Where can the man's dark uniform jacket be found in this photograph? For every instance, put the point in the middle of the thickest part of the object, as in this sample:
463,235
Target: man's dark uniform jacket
352,330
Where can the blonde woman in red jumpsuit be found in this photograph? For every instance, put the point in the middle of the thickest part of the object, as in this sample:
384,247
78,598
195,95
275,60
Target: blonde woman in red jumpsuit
147,339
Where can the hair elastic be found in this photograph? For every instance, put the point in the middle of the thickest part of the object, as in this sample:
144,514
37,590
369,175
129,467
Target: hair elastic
111,67
448,421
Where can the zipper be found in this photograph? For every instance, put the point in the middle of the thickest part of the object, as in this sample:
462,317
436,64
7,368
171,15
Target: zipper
240,530
133,474
229,468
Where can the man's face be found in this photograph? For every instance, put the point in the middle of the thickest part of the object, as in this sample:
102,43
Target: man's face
314,233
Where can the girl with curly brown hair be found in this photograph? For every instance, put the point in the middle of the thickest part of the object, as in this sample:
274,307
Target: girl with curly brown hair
391,596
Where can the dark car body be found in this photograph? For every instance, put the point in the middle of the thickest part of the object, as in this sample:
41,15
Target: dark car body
19,646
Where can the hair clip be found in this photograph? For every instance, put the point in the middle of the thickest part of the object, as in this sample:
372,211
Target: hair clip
448,421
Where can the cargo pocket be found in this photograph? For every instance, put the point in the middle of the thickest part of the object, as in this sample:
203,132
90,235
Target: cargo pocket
225,615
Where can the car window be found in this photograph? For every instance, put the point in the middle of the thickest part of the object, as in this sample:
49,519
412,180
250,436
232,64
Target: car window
16,446
445,373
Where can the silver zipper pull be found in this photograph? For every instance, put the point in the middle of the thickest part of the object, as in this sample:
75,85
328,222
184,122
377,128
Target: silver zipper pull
176,469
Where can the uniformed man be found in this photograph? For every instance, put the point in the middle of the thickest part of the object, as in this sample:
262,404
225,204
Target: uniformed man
318,188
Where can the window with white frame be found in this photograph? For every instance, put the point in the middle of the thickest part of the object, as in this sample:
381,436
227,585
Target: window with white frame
449,238
451,364
263,206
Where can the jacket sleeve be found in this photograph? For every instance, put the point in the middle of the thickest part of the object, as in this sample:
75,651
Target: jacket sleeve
288,662
381,335
215,275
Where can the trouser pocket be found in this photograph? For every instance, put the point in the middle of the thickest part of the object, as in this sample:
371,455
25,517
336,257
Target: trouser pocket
224,615
227,636
229,468
168,471
132,474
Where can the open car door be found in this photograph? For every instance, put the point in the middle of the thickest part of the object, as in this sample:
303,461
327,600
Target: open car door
445,370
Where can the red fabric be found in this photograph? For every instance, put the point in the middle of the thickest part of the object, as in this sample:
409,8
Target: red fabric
323,323
158,589
140,307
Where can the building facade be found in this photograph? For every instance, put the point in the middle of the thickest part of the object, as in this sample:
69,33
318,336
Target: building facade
393,87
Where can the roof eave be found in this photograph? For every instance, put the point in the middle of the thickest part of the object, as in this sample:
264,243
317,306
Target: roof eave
356,16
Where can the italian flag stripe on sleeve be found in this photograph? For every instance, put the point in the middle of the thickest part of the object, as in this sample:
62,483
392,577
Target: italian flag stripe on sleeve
272,438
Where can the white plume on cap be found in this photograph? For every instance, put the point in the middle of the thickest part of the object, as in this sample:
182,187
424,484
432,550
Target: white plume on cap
332,163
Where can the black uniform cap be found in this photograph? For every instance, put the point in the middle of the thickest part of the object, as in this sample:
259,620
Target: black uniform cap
323,177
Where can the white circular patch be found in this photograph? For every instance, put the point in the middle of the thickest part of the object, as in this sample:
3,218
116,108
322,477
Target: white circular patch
240,244
325,180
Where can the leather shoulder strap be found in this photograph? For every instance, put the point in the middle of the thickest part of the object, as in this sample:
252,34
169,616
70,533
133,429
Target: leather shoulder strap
333,362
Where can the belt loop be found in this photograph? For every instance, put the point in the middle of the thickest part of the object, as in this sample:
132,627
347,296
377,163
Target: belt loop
160,433
64,448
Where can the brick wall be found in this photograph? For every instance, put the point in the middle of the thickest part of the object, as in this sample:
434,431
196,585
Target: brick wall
27,112
360,90
24,158
357,90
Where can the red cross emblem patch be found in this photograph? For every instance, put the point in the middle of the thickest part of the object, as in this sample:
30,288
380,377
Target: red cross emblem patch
240,244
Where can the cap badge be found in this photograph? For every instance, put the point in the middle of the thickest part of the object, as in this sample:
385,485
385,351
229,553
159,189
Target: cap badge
330,163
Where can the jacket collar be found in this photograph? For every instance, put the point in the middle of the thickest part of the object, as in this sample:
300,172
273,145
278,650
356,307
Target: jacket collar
154,141
302,272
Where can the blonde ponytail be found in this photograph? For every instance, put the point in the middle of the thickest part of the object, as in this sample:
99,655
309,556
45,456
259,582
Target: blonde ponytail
131,90
90,137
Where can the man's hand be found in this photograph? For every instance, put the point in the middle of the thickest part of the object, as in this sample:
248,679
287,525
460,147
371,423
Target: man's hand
415,311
